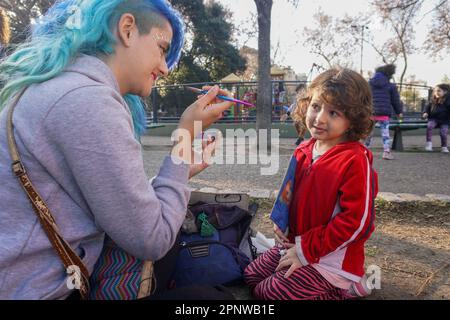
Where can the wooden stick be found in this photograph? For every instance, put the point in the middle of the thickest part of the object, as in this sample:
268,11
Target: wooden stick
145,286
428,280
413,273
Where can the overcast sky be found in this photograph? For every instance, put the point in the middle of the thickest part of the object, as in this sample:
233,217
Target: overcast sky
288,24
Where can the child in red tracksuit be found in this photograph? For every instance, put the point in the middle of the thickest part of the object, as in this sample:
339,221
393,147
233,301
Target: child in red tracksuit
325,210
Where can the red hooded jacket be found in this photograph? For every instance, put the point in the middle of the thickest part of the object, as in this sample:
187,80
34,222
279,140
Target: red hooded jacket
332,211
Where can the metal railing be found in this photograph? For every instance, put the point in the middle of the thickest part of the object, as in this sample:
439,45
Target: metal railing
415,97
167,103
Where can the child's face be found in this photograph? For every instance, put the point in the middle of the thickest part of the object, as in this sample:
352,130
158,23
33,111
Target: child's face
438,92
325,122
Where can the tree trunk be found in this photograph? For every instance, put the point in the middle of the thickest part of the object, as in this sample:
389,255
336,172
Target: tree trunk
405,59
264,101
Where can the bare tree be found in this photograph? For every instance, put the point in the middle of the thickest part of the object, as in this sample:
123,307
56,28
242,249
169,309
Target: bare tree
401,5
399,16
246,30
331,40
438,39
391,49
359,28
22,13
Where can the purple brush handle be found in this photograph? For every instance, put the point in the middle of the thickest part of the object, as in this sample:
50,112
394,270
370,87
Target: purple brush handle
221,97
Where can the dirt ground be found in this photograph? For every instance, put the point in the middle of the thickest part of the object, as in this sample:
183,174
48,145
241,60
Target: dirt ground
410,245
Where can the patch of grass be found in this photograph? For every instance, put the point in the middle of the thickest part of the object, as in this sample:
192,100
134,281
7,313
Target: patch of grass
426,210
434,213
263,204
425,213
371,251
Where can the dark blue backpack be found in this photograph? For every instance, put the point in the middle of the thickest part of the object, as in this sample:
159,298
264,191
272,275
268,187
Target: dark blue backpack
220,258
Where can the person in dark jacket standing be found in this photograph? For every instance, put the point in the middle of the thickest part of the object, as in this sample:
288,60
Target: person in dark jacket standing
438,114
385,99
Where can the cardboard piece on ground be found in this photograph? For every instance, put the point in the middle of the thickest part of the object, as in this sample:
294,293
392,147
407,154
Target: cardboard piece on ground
262,243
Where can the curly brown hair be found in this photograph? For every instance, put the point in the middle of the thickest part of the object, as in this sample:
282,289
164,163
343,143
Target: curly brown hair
5,32
349,92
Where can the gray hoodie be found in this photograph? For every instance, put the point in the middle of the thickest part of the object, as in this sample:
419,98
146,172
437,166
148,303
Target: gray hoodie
75,137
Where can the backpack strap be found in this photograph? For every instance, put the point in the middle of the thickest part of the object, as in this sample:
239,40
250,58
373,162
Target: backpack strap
67,255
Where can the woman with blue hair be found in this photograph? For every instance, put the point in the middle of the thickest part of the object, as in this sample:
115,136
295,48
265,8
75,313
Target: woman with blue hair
76,87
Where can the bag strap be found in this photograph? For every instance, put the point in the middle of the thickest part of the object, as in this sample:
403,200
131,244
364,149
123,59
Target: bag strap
68,257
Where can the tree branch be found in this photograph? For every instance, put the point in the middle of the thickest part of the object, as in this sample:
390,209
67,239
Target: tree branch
435,8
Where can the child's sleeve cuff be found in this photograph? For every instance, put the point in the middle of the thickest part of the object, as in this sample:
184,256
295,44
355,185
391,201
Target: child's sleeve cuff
299,251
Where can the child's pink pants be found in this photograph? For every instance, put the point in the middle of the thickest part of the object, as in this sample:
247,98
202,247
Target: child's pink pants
305,283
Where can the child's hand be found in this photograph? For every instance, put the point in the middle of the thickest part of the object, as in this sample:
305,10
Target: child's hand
279,235
289,259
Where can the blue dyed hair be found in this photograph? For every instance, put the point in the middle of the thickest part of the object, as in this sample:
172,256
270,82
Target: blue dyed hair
72,27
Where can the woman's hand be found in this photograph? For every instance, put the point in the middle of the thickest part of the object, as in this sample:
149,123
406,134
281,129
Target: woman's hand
289,259
208,148
279,235
425,115
207,109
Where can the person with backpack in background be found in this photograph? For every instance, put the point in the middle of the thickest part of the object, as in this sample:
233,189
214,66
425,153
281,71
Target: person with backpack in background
385,98
438,114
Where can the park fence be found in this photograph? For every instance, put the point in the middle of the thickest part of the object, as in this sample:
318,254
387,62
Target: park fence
167,103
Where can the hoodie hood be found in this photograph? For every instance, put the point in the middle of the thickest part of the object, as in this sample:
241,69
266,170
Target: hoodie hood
95,69
379,80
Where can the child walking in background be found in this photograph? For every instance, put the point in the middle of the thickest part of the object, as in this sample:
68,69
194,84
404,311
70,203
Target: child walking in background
298,127
385,98
325,209
438,114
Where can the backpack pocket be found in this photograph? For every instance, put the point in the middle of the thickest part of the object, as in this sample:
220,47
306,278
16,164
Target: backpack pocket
208,262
